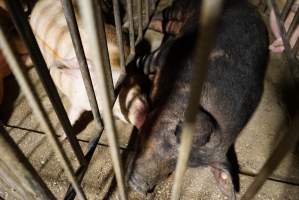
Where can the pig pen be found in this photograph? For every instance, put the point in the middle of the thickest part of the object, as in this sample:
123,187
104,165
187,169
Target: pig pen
253,147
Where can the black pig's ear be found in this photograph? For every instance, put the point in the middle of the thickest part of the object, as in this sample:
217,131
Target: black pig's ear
224,180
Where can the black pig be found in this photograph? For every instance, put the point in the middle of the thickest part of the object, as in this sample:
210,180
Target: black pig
231,93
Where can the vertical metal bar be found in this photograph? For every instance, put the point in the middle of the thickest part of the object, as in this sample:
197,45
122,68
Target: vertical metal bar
24,29
293,26
119,34
147,11
131,27
210,11
139,20
39,111
19,166
287,143
103,44
286,9
96,34
76,39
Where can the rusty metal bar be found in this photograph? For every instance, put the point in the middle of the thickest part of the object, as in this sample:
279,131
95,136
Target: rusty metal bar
131,28
39,111
96,34
24,29
293,26
209,14
287,143
19,166
119,35
77,43
286,9
139,21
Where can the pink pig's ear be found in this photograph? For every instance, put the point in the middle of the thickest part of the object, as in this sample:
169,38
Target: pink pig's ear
224,180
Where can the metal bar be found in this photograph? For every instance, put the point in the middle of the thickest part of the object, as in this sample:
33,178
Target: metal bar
147,11
210,11
76,39
24,29
39,111
286,9
70,194
96,33
295,49
139,21
280,23
131,28
104,48
285,145
293,25
119,34
18,164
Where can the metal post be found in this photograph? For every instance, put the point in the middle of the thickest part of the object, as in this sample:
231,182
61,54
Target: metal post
76,39
119,34
147,11
24,29
104,49
131,28
287,143
139,21
39,111
25,176
210,10
97,33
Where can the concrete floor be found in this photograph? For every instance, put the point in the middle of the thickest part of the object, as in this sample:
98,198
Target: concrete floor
253,147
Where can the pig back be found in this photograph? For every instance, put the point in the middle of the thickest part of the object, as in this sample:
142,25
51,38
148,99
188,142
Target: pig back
234,81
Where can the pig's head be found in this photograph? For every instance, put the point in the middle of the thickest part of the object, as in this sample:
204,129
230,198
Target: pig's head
159,148
157,154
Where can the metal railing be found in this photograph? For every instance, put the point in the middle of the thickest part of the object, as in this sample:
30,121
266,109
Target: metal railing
92,18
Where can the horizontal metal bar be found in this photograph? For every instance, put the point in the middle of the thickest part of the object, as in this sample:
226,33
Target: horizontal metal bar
77,43
39,111
118,25
210,11
19,165
286,9
25,31
287,143
95,29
